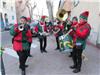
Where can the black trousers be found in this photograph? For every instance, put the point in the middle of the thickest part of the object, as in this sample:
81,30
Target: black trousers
77,56
57,41
43,42
29,49
23,55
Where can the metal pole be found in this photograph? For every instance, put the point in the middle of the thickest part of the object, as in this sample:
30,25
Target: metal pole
98,37
2,66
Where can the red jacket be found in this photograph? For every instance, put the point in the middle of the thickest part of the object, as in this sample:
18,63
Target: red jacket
83,30
61,27
38,27
18,43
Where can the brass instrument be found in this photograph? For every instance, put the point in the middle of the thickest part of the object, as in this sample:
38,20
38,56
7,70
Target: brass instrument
21,27
63,10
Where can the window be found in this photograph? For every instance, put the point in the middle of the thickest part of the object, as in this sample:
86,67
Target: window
4,4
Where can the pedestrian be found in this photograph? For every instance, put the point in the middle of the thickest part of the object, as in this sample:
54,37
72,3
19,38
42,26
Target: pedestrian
58,31
21,38
82,31
41,29
74,23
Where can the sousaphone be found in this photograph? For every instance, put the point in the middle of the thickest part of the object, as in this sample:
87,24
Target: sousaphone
65,7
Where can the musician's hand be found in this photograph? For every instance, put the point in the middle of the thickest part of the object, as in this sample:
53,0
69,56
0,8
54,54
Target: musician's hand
74,44
16,29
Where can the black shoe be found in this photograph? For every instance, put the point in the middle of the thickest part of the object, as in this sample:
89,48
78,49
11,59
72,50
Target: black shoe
23,72
57,48
76,70
45,51
41,51
73,67
25,66
70,56
30,55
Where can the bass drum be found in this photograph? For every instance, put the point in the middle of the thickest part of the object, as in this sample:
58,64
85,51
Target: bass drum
66,43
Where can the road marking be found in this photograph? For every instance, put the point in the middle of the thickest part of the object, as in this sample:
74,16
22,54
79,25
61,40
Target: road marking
11,52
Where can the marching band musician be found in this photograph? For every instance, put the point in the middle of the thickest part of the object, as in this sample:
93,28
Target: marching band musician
74,23
41,29
58,31
67,25
22,36
81,33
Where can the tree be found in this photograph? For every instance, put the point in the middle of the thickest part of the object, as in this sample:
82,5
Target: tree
50,9
24,7
30,7
67,5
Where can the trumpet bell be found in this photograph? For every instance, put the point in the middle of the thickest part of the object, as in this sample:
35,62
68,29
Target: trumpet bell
21,27
65,6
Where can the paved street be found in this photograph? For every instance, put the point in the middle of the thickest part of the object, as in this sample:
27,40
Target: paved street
51,63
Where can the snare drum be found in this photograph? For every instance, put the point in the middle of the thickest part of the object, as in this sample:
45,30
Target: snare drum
66,43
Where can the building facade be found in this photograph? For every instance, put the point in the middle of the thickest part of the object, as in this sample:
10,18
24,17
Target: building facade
7,13
21,9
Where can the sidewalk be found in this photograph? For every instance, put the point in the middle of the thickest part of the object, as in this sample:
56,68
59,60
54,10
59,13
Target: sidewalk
53,62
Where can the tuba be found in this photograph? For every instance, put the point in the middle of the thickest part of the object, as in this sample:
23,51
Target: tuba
64,9
21,27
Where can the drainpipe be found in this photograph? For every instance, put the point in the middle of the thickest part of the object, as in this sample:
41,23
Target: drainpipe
98,36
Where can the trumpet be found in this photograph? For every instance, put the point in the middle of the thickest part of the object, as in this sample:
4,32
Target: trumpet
21,27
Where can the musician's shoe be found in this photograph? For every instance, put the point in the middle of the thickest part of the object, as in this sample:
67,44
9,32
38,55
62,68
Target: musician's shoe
30,55
23,72
76,70
45,51
70,55
57,48
73,67
41,51
25,66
